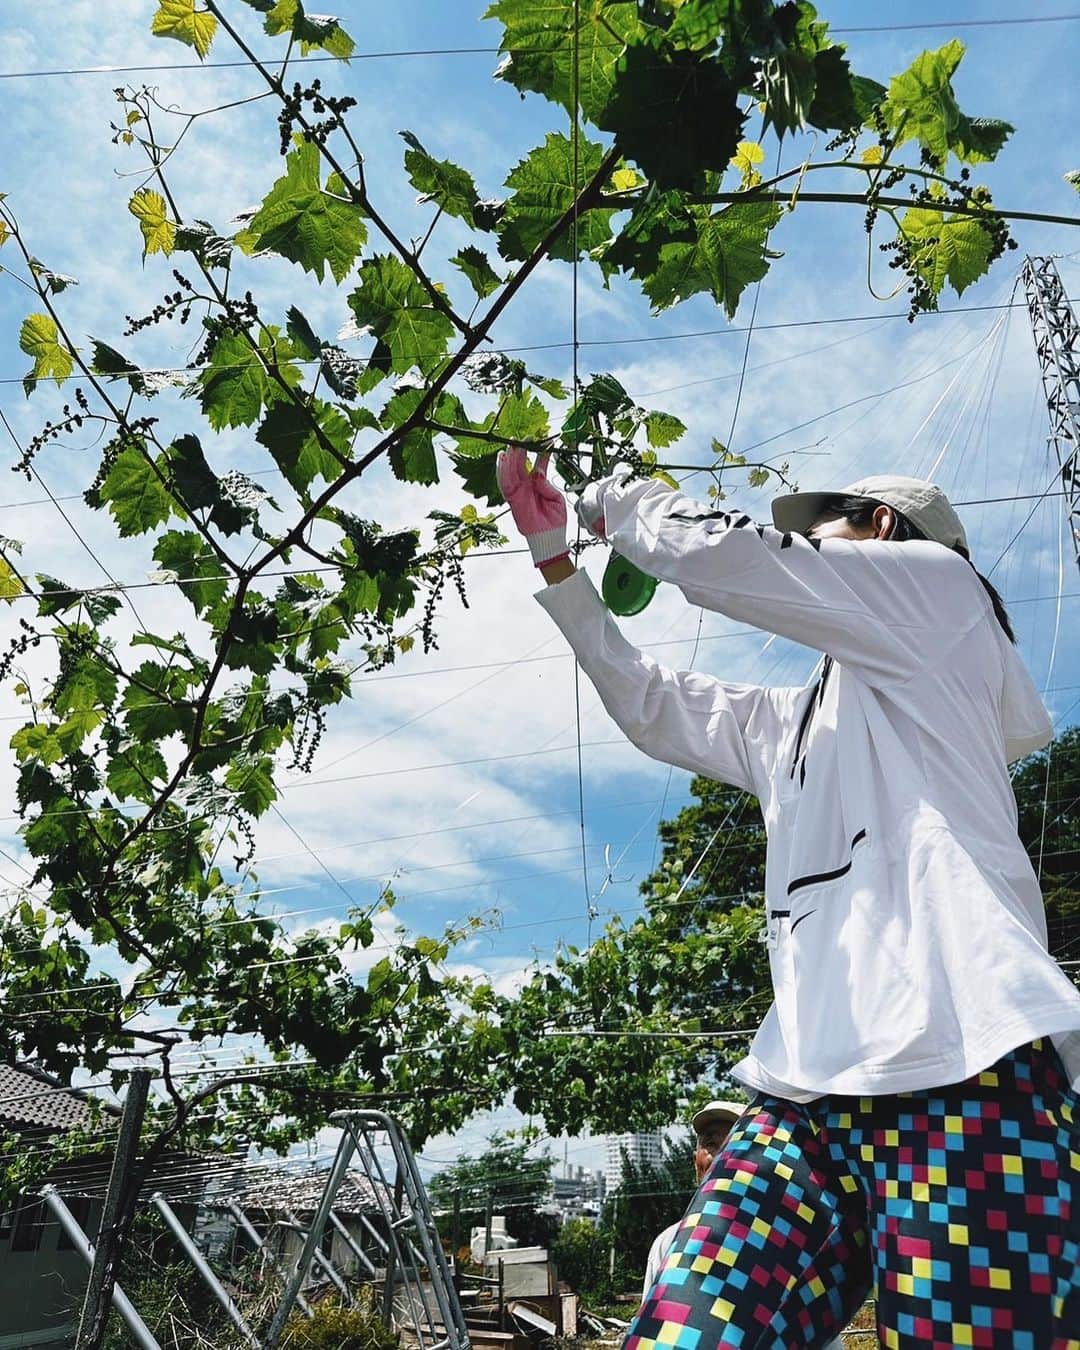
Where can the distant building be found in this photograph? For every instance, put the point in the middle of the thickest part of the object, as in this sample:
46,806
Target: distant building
576,1191
638,1148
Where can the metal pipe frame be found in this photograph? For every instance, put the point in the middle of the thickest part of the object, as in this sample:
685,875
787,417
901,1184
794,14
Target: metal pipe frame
82,1244
200,1263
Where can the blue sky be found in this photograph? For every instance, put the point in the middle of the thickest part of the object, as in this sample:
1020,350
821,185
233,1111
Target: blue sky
501,836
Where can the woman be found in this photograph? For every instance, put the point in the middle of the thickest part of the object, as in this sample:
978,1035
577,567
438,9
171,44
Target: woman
916,1128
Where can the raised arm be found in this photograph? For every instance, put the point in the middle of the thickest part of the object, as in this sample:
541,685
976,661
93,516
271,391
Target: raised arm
683,718
882,608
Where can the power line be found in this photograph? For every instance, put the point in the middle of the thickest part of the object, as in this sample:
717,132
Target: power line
151,67
781,325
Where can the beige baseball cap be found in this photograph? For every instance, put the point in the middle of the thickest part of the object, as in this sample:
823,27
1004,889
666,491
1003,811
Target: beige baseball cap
924,504
728,1112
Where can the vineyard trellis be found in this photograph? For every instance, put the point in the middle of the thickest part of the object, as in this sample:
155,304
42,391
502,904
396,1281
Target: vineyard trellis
140,772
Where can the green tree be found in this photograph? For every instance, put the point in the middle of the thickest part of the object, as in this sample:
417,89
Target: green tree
505,1177
581,1254
650,1197
1047,787
147,755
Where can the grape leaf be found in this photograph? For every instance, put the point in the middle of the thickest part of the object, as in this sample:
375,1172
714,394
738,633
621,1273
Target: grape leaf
724,254
190,557
287,433
922,106
944,248
440,181
544,190
522,417
252,782
180,19
10,585
39,338
541,47
477,472
303,223
675,113
310,30
158,231
134,493
234,387
663,429
397,310
197,486
479,272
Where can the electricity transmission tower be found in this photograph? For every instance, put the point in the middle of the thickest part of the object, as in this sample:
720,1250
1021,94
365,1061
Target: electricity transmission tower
1057,346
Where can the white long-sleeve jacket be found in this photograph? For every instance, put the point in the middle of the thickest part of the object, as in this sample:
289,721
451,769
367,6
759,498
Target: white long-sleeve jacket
906,931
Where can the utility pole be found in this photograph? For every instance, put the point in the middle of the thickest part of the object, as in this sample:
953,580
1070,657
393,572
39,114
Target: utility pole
1057,347
99,1291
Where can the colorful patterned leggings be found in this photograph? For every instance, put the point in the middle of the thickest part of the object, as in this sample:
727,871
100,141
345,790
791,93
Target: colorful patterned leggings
955,1206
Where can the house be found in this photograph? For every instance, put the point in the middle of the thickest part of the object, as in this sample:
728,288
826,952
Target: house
42,1277
280,1203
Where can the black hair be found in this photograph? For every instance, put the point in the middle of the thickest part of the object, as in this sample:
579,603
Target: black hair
859,512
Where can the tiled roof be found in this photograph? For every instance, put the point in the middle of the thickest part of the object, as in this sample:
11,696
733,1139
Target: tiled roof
278,1191
29,1101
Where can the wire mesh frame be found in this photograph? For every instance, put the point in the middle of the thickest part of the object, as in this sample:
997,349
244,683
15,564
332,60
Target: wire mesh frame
1057,346
414,1246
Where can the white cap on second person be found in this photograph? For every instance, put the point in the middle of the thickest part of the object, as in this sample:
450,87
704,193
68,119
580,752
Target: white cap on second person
924,504
728,1112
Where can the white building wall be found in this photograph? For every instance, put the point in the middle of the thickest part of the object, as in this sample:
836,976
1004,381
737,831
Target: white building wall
639,1148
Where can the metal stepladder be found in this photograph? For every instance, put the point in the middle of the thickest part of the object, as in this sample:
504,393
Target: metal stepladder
419,1299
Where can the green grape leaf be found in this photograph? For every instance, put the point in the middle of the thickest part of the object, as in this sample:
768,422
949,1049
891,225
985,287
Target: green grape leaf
543,191
133,770
675,113
477,472
412,456
303,335
252,783
312,31
922,106
663,429
85,683
842,101
728,252
133,491
543,49
287,433
36,741
10,585
522,417
234,387
54,597
197,486
981,138
150,712
391,304
196,567
107,360
439,181
200,238
482,277
299,220
158,231
180,19
40,339
944,248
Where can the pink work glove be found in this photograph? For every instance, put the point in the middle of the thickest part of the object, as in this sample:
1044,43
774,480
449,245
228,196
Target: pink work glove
539,510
